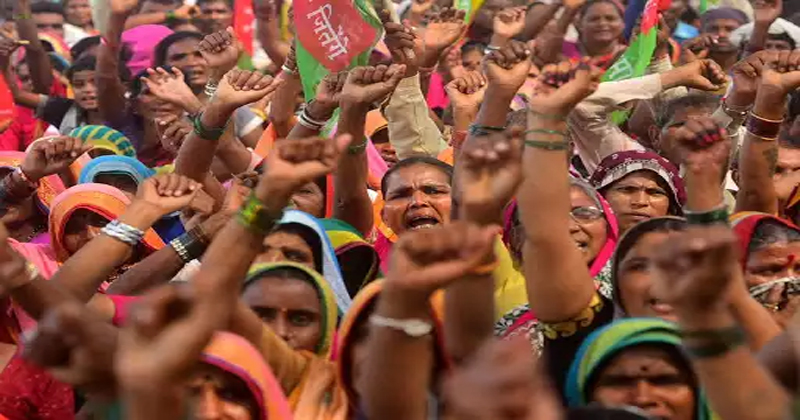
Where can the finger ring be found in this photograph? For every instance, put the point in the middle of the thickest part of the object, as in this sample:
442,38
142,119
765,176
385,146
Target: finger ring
774,307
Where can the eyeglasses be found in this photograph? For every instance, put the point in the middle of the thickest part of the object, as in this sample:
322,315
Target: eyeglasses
586,214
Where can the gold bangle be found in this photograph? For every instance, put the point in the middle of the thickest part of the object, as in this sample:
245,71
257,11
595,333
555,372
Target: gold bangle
754,115
762,138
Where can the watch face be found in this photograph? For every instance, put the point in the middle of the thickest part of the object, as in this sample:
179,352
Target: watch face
418,328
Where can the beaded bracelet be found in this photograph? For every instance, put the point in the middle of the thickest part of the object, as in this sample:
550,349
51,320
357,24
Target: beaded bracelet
123,232
355,149
482,130
546,131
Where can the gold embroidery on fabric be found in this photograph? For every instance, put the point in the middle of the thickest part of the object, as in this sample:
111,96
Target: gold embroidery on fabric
570,327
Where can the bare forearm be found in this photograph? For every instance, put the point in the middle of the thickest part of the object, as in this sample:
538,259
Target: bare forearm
21,96
757,161
39,296
352,201
196,154
550,253
110,90
283,104
158,268
269,35
469,315
759,37
737,386
233,154
758,324
399,368
537,19
35,55
85,271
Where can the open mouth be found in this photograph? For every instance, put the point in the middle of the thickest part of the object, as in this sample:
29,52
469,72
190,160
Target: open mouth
660,307
422,222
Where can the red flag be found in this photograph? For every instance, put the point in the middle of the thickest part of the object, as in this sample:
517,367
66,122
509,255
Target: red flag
334,31
7,108
243,23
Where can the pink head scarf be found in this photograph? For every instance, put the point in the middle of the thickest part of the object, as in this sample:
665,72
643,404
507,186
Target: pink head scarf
142,41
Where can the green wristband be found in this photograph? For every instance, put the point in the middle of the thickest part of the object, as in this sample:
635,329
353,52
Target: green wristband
715,216
205,132
256,217
712,343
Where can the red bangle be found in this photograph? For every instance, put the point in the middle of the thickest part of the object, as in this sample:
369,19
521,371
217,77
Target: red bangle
25,178
763,127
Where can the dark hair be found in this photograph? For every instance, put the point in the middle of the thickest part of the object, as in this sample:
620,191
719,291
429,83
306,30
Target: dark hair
137,85
632,237
43,7
413,161
82,64
783,37
471,45
770,232
160,54
309,236
590,3
692,100
83,45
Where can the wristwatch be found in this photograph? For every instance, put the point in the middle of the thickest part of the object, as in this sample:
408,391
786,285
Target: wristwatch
414,328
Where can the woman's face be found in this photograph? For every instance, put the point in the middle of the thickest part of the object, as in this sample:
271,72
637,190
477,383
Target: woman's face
637,197
82,227
78,12
635,281
124,183
184,55
215,394
291,307
150,108
773,262
417,197
648,378
282,246
587,226
471,60
309,199
602,23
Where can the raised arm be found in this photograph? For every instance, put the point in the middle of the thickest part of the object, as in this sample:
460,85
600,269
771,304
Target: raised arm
110,89
487,176
269,33
759,154
160,195
704,147
185,12
694,273
544,200
35,54
237,88
364,86
398,373
284,101
466,94
320,109
21,96
765,13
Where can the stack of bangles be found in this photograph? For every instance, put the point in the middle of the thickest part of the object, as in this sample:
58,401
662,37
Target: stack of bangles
123,232
548,145
717,215
191,245
287,70
256,217
211,89
308,122
704,344
762,128
207,133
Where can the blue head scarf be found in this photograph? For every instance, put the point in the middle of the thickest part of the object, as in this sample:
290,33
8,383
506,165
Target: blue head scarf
115,165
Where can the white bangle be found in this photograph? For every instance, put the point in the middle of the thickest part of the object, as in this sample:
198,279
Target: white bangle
210,89
123,232
287,70
412,327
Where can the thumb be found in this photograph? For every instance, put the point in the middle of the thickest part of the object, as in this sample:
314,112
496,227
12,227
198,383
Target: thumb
399,73
791,80
703,54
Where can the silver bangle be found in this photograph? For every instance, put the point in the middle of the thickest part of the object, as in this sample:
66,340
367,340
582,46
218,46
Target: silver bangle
412,327
177,245
210,89
287,70
307,122
123,232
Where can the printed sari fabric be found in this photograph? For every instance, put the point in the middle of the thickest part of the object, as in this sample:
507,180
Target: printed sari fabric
235,355
519,319
357,258
327,300
615,338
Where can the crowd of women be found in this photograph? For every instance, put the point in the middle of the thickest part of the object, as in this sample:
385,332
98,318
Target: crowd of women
477,225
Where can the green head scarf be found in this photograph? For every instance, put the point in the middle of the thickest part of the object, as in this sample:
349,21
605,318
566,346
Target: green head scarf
327,300
609,341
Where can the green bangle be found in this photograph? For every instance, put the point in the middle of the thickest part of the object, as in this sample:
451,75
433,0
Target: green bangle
171,15
355,149
715,216
545,131
548,145
482,130
714,342
256,217
23,16
205,132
